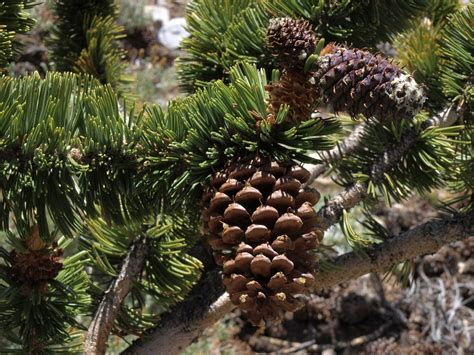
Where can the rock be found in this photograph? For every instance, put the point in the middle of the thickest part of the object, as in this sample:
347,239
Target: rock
159,14
172,33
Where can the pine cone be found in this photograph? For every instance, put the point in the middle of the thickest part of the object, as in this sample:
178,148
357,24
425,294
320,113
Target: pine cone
291,41
297,90
262,224
360,82
36,268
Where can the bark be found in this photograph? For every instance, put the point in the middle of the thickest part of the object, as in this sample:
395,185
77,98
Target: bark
331,213
350,144
423,239
186,322
105,315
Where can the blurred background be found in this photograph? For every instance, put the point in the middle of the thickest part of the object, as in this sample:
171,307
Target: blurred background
153,30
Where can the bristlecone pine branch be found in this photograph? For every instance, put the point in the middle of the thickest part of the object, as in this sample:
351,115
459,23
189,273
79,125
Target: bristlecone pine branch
109,307
359,82
262,226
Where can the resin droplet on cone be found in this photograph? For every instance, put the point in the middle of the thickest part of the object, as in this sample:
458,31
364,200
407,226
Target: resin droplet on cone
262,226
359,82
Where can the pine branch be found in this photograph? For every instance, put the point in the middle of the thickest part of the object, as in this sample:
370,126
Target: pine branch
206,305
354,194
444,118
423,239
102,57
331,213
106,313
69,33
346,147
392,156
13,19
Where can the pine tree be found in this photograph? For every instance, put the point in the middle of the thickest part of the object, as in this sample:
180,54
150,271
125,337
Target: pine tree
13,19
133,222
84,40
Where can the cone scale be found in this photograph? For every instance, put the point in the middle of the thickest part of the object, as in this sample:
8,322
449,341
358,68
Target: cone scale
262,227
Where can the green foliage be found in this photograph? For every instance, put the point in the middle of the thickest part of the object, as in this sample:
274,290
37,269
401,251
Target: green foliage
102,58
417,50
224,33
13,19
439,51
457,51
419,169
360,23
356,241
438,10
5,46
463,180
168,275
83,33
207,23
63,143
200,134
245,38
37,323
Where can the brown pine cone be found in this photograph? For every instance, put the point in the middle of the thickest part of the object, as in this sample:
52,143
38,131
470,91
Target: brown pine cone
360,82
262,226
36,268
291,41
298,91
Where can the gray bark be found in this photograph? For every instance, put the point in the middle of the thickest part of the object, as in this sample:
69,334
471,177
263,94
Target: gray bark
105,315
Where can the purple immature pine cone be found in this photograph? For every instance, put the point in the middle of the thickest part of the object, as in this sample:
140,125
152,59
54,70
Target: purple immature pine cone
360,82
290,41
